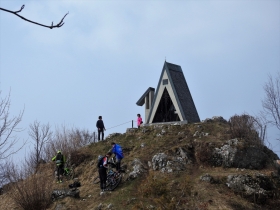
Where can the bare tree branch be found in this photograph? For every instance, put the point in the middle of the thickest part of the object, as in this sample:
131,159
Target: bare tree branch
41,134
271,103
8,126
61,23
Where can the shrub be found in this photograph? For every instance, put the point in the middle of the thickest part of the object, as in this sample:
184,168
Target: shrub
78,157
154,186
33,193
246,127
203,153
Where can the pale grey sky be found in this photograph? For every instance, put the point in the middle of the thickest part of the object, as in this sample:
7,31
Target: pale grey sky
109,52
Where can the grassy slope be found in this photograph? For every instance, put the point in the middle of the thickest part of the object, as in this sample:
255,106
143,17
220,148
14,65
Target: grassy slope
177,190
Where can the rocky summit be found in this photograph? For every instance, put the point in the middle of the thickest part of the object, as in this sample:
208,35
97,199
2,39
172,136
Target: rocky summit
196,166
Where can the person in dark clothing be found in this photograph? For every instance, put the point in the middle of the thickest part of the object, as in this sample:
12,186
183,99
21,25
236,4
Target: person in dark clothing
103,170
100,126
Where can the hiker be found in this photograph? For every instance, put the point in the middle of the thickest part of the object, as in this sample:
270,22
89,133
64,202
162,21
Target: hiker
117,150
100,127
103,166
59,159
139,120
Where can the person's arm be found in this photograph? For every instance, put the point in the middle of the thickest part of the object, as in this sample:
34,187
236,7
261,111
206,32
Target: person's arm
53,159
105,162
103,125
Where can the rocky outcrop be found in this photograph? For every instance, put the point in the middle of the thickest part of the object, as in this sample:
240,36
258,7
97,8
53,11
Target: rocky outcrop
62,193
256,188
251,157
206,178
225,155
170,163
137,169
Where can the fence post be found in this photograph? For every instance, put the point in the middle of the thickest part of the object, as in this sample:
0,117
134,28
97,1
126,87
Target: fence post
132,123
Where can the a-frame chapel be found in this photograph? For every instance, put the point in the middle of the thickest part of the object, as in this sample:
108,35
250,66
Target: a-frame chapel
172,100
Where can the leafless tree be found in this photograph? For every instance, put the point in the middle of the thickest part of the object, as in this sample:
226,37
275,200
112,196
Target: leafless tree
8,126
41,134
271,102
61,23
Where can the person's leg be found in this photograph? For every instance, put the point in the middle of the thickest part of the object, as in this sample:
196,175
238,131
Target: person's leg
103,178
60,172
118,165
102,135
98,135
57,172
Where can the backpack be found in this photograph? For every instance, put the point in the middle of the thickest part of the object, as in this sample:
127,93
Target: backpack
100,161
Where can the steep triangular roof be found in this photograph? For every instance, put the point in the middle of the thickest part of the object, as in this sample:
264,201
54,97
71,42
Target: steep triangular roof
172,79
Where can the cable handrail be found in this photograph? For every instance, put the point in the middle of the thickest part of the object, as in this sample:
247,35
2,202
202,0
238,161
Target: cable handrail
118,125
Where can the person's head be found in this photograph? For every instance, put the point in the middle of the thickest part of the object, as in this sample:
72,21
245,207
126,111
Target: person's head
138,115
109,154
58,152
100,117
113,144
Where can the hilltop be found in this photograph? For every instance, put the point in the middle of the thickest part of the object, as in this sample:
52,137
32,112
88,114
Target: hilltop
176,166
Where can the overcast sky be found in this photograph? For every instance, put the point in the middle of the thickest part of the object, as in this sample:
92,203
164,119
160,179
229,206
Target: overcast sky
108,53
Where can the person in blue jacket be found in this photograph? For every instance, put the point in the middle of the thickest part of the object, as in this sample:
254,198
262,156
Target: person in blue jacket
117,150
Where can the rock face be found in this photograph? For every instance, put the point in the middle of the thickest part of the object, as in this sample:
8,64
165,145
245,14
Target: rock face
252,158
225,155
62,193
206,178
138,169
170,163
229,155
257,188
159,161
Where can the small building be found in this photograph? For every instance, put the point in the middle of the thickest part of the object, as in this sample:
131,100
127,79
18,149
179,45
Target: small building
171,101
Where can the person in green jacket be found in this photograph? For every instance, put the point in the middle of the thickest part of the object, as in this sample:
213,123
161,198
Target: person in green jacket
59,159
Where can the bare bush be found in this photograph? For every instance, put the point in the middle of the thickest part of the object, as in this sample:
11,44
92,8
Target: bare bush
203,153
248,128
78,157
30,192
69,141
